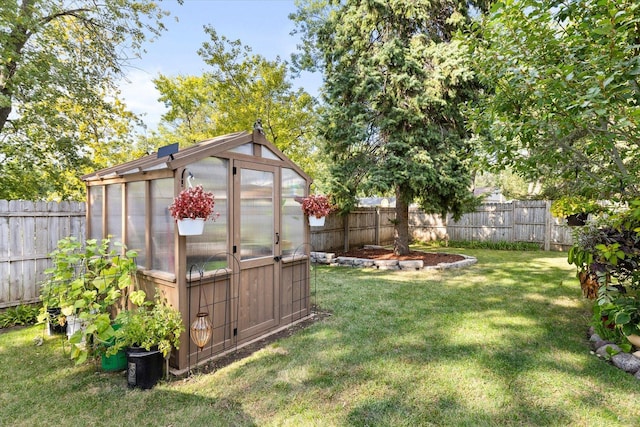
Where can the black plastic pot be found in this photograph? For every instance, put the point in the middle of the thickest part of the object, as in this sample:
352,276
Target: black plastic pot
54,326
144,368
577,220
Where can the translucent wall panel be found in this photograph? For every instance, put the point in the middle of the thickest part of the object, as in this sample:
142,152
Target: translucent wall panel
162,226
256,214
136,213
268,154
95,213
243,149
293,228
210,249
114,213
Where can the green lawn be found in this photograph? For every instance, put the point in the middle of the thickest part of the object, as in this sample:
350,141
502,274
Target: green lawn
499,343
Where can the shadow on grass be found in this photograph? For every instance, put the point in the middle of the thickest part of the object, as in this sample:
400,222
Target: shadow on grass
499,343
41,386
493,344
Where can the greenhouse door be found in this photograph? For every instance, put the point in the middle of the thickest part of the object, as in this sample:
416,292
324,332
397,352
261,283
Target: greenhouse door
256,242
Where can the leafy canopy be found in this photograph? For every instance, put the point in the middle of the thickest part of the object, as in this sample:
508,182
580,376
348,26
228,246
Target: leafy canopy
60,115
563,105
238,88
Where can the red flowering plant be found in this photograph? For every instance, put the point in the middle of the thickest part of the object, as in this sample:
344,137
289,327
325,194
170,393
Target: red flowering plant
317,205
193,202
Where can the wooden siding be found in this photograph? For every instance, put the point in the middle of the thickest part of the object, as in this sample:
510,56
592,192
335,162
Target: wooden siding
259,296
294,295
29,231
215,296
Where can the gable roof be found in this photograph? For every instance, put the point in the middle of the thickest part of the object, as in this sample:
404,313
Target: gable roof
187,155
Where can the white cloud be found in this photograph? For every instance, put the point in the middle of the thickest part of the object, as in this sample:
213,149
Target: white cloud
141,96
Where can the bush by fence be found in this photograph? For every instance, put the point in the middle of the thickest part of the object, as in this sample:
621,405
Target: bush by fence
29,231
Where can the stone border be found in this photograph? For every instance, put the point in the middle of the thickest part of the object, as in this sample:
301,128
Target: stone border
628,362
329,258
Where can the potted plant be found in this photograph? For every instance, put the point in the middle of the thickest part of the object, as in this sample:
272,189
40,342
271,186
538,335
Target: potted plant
316,207
575,209
148,333
88,283
191,208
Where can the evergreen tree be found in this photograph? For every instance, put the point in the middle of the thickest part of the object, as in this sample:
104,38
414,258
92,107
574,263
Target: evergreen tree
395,79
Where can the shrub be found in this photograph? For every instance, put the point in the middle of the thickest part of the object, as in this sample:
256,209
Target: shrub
23,314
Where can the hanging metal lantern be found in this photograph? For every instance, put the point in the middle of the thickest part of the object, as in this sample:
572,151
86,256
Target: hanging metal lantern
201,330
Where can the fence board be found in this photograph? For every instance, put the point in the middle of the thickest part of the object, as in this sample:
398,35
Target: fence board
518,221
29,231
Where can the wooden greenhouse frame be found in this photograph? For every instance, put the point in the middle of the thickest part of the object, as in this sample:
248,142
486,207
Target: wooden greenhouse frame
249,270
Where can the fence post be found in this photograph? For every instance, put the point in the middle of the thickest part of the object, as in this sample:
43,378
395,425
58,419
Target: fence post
547,225
513,221
346,231
377,222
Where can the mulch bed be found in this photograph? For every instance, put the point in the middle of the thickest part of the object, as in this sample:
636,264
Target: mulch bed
429,258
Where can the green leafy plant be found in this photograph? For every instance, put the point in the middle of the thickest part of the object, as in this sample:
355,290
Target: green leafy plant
89,281
23,314
152,324
606,254
571,205
499,245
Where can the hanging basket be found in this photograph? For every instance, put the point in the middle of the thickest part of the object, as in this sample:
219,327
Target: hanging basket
316,222
191,227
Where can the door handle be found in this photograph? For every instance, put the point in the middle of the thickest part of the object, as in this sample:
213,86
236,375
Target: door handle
277,238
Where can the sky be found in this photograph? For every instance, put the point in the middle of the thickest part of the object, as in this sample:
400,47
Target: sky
262,25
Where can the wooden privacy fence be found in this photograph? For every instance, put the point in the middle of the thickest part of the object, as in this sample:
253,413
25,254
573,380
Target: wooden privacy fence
363,226
29,231
518,221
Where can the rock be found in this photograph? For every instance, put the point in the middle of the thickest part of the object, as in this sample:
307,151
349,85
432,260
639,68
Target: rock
595,337
603,352
591,331
626,362
636,354
346,260
597,344
411,265
362,262
386,264
322,257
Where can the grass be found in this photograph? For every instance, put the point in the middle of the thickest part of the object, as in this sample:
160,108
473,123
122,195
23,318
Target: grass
502,342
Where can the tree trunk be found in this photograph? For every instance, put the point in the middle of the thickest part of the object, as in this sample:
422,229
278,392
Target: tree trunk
401,231
4,115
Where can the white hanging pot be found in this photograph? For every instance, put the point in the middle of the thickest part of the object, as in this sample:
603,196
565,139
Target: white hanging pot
314,221
191,227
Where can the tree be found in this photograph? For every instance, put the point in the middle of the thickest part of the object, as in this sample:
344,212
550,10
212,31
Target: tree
59,110
239,88
394,82
564,101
